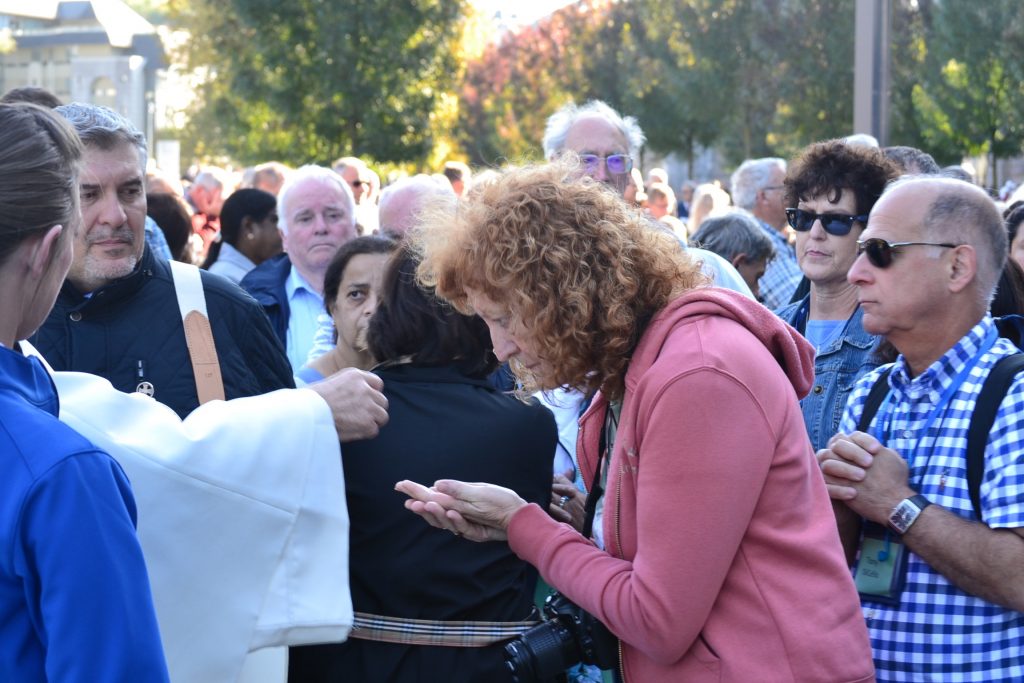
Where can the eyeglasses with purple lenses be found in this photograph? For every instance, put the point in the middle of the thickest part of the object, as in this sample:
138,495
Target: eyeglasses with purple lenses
615,163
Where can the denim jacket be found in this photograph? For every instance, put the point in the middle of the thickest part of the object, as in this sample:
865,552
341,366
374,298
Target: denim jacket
837,367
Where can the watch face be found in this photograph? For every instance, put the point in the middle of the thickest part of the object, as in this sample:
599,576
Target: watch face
903,516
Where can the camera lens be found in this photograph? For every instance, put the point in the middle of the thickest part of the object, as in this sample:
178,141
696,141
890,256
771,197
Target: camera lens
541,653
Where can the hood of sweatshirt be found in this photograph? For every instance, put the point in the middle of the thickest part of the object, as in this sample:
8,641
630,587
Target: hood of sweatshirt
794,354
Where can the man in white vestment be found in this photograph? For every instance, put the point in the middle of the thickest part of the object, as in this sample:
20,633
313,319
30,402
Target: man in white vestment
241,511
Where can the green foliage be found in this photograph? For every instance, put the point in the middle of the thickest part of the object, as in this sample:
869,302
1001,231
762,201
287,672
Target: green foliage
970,100
312,80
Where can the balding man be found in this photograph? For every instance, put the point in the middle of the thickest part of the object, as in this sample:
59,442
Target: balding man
401,202
939,572
316,215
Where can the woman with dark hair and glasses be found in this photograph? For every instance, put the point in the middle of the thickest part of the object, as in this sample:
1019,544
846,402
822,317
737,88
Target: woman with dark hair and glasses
431,606
831,188
248,234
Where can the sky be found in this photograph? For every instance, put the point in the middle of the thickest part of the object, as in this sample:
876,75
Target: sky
523,11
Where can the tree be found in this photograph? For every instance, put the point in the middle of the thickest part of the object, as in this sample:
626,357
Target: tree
311,80
971,98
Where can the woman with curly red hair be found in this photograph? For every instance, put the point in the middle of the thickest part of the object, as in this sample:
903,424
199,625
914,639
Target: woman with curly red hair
717,556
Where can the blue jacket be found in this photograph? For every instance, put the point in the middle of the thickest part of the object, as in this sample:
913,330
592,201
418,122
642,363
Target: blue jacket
130,331
836,369
75,603
266,284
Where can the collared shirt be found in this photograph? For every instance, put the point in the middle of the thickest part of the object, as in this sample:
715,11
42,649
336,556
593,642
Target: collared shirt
156,240
939,632
305,305
782,275
231,263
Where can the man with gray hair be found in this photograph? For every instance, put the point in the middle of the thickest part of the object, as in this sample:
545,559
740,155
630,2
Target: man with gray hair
118,315
238,500
757,186
316,215
737,237
607,143
930,505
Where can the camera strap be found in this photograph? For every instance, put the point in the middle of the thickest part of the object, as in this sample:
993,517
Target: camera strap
611,423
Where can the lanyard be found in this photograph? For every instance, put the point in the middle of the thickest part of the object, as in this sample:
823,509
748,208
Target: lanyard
944,399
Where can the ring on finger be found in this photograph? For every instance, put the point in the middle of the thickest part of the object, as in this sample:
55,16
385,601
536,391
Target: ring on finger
563,501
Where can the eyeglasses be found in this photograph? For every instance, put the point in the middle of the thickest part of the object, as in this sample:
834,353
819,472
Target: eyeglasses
837,224
880,252
360,183
615,163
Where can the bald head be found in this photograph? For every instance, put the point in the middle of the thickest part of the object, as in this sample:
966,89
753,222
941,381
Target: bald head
949,210
402,201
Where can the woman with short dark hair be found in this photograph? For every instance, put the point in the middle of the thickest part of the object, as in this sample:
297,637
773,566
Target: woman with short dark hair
248,234
830,190
421,597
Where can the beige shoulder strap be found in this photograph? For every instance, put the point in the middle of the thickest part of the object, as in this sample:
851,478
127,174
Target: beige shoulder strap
188,286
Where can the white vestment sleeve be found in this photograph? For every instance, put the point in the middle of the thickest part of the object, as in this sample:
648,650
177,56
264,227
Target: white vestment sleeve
241,518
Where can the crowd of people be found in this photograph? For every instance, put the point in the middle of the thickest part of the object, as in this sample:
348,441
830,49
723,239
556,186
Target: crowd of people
763,432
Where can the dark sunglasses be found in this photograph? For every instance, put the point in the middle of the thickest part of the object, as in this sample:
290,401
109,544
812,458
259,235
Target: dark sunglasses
615,163
880,252
838,224
360,183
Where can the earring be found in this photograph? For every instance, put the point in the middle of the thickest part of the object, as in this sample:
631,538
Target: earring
250,236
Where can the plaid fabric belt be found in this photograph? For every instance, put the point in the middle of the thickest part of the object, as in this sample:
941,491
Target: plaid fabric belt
434,632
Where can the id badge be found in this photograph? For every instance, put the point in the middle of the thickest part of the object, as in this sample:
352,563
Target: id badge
881,569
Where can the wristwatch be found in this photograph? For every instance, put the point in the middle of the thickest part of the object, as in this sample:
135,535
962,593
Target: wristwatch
906,513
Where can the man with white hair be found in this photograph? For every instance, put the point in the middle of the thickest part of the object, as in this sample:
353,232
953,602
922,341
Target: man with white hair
316,215
757,186
400,203
607,143
930,505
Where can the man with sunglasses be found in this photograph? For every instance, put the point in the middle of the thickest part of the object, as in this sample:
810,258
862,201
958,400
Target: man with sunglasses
941,581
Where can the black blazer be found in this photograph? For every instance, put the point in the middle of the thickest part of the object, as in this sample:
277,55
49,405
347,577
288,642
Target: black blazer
442,425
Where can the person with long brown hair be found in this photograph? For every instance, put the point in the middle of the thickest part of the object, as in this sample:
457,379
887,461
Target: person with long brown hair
715,555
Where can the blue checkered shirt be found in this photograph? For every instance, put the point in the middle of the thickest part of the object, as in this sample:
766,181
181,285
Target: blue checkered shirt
782,275
939,632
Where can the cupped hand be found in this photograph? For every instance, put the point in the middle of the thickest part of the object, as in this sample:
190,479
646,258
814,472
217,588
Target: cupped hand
480,512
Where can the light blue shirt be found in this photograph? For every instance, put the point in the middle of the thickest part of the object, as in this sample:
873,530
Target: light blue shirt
305,305
232,264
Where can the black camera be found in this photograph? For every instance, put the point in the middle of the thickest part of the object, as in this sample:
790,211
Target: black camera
567,637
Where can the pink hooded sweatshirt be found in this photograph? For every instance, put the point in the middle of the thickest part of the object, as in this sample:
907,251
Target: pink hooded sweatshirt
723,562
